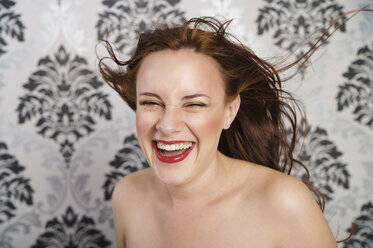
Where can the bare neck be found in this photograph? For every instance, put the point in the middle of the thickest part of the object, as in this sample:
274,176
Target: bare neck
201,190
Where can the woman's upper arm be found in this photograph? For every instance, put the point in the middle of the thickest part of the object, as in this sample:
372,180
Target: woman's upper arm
119,209
300,221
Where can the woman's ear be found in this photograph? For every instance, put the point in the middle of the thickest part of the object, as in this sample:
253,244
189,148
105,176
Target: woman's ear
231,111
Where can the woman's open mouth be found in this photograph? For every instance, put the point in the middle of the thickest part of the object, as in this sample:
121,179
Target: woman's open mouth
172,151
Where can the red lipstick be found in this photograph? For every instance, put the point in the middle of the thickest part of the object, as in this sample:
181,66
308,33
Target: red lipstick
171,159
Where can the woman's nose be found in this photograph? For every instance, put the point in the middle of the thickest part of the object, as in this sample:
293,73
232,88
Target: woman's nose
170,121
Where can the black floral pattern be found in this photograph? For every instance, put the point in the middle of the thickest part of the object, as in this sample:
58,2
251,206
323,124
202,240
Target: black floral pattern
13,186
323,159
127,160
295,21
70,231
63,94
124,20
357,92
11,24
363,237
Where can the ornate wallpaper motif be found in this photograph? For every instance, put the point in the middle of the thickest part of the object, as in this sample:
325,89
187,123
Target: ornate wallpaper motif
71,231
128,159
11,25
14,187
323,159
357,93
293,22
63,95
364,229
66,138
124,20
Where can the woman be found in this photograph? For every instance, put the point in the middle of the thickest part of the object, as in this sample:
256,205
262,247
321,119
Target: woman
210,119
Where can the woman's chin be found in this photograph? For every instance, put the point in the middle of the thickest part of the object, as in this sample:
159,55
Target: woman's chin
170,175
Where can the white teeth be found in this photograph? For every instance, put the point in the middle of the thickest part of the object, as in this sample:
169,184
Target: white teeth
174,147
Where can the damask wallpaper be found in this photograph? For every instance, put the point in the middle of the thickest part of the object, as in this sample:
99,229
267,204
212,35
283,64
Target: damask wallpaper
66,138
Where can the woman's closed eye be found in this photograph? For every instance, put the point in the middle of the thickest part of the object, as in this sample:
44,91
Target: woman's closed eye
156,104
150,103
195,105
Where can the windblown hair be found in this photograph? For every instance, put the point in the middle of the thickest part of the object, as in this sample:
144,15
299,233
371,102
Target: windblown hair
266,126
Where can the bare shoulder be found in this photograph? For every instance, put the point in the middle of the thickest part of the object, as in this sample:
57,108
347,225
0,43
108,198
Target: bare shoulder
293,213
131,186
286,191
271,187
126,198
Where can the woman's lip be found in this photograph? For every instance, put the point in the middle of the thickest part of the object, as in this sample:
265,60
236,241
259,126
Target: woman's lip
172,141
173,159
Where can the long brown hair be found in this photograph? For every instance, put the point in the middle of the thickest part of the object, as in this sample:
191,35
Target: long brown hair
266,126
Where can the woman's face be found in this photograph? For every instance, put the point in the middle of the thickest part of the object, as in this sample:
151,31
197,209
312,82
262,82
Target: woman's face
180,113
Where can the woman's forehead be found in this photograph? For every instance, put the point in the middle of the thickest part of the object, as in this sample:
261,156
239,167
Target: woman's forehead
182,70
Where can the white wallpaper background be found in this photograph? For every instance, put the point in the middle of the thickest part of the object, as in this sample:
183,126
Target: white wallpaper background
66,138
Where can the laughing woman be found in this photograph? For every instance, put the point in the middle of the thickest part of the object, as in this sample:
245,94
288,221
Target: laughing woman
210,118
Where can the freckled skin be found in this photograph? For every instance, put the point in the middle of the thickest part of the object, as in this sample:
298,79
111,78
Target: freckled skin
208,199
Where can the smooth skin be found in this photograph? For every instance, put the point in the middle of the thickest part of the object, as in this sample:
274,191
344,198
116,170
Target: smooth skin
208,199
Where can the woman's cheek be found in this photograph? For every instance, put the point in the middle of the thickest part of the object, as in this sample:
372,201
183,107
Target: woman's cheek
208,125
144,127
143,123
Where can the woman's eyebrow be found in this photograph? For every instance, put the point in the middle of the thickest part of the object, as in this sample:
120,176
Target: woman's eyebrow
194,96
149,94
184,98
